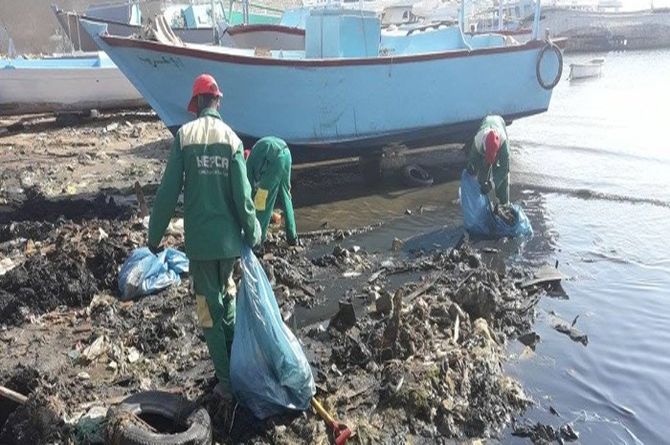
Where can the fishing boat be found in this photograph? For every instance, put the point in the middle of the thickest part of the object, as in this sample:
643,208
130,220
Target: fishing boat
352,86
123,19
190,22
592,68
63,84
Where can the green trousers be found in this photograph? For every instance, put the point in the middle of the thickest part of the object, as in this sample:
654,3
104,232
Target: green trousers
214,289
275,183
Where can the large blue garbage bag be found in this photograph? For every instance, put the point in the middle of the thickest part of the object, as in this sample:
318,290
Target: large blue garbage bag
144,273
478,217
269,373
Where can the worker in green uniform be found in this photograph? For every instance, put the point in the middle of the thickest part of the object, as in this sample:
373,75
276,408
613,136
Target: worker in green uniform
207,160
269,170
489,160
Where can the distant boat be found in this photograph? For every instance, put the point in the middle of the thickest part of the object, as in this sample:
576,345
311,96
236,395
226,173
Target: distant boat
61,84
191,23
592,68
352,86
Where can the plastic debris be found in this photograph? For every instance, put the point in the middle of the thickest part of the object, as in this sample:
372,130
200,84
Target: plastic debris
95,349
478,216
144,273
6,264
269,372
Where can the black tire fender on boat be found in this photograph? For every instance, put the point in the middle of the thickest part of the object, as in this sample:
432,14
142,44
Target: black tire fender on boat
416,176
554,48
123,430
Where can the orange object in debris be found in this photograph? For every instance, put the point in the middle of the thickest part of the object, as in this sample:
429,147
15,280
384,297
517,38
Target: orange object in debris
276,218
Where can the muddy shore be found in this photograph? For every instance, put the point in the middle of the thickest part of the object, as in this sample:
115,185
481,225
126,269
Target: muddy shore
420,362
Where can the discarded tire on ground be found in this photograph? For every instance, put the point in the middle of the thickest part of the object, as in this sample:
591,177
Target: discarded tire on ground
416,176
177,421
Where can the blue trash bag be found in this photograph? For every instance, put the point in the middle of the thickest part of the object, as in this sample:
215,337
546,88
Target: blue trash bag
478,217
269,373
144,273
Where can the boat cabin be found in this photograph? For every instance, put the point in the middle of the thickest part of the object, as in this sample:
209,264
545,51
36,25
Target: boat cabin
342,34
398,15
330,34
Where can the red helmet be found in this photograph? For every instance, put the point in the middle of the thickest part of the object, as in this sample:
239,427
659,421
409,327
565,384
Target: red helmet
204,84
492,145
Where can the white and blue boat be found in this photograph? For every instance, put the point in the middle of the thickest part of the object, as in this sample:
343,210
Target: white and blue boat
76,82
352,86
190,22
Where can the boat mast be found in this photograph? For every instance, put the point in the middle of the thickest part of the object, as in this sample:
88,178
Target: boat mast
214,39
500,15
461,17
536,21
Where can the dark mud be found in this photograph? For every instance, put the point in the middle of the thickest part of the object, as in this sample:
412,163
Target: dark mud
36,207
64,265
40,419
419,363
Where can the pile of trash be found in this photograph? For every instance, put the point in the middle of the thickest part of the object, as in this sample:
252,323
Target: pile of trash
418,361
426,360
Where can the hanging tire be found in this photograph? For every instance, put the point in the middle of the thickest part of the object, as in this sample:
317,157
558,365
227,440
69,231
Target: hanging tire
416,176
559,55
190,423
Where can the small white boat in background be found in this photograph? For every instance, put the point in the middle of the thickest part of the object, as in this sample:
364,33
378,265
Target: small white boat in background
592,68
78,82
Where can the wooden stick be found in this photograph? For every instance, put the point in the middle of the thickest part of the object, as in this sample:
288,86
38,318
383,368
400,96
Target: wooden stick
13,395
118,399
423,289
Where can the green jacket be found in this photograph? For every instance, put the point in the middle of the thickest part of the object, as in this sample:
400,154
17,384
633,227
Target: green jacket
499,172
207,160
269,170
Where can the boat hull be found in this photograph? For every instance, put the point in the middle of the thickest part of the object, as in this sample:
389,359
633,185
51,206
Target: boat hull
26,90
360,104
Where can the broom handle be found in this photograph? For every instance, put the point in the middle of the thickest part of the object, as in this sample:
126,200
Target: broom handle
12,395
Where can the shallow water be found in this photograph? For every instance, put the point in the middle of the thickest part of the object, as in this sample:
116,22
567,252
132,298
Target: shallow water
592,174
600,158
